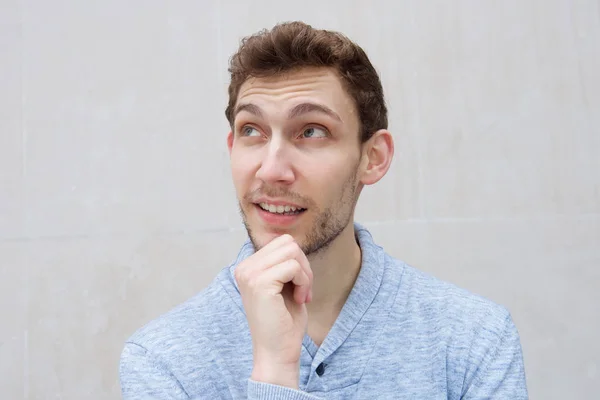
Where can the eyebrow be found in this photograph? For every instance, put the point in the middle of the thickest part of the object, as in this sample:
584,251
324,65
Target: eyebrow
297,111
248,107
305,108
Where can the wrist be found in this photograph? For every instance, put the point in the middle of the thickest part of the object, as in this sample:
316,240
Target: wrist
277,374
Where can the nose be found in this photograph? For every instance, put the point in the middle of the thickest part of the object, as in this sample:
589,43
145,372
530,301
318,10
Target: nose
276,164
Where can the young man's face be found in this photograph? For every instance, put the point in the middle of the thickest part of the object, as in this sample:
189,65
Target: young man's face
295,156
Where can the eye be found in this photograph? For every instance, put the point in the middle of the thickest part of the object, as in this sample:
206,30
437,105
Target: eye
314,132
249,131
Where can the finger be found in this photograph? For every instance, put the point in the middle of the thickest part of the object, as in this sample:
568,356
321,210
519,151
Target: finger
289,251
256,262
273,280
277,242
283,250
292,251
276,252
305,264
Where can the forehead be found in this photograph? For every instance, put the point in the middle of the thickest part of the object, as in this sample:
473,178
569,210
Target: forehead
283,91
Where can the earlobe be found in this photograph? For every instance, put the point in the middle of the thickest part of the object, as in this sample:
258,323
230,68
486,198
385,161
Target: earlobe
379,151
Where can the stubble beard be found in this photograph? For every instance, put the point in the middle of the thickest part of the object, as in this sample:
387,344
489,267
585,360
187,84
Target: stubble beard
328,224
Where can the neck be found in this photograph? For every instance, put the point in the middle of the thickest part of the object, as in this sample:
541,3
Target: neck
335,270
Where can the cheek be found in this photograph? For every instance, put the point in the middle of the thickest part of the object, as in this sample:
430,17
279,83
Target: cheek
244,166
334,168
325,178
241,176
336,175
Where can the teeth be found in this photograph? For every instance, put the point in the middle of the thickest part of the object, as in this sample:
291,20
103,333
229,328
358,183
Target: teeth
278,209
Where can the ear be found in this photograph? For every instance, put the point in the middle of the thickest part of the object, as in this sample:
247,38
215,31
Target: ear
378,152
230,142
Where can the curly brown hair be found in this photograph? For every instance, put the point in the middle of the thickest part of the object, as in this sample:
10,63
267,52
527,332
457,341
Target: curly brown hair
292,45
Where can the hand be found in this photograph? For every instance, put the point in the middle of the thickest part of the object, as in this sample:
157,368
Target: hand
275,284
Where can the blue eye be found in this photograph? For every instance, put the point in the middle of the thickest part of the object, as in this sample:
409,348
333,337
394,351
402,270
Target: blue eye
250,131
314,132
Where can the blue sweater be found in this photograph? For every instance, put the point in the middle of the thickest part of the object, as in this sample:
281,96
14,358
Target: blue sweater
401,335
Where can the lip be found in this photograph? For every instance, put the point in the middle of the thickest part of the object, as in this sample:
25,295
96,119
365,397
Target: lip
276,202
277,220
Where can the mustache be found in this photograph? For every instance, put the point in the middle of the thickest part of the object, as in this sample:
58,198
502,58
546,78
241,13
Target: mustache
281,193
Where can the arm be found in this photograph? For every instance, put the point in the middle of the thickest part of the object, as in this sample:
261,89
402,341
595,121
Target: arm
275,284
500,373
143,376
266,391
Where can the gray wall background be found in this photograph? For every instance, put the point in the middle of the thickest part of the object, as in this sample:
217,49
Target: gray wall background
115,194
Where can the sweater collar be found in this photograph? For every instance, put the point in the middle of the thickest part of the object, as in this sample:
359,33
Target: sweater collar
369,276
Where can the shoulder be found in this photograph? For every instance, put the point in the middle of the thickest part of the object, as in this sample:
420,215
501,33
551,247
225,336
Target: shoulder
451,310
474,334
191,325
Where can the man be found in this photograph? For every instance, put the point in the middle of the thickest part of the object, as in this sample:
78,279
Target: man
312,308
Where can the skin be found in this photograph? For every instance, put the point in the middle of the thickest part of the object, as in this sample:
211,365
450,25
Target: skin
295,139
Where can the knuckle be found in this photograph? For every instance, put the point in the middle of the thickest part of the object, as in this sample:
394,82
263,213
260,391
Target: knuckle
241,274
300,272
237,273
295,265
252,283
285,238
293,249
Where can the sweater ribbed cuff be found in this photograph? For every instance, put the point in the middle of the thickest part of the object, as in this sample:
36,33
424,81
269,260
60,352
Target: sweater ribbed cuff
267,391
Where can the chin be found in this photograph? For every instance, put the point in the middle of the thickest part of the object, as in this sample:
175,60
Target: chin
260,236
262,233
261,239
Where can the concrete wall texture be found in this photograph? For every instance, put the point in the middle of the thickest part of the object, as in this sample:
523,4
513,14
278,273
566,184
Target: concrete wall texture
115,194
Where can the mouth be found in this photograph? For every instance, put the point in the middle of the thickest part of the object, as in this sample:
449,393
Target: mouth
280,209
